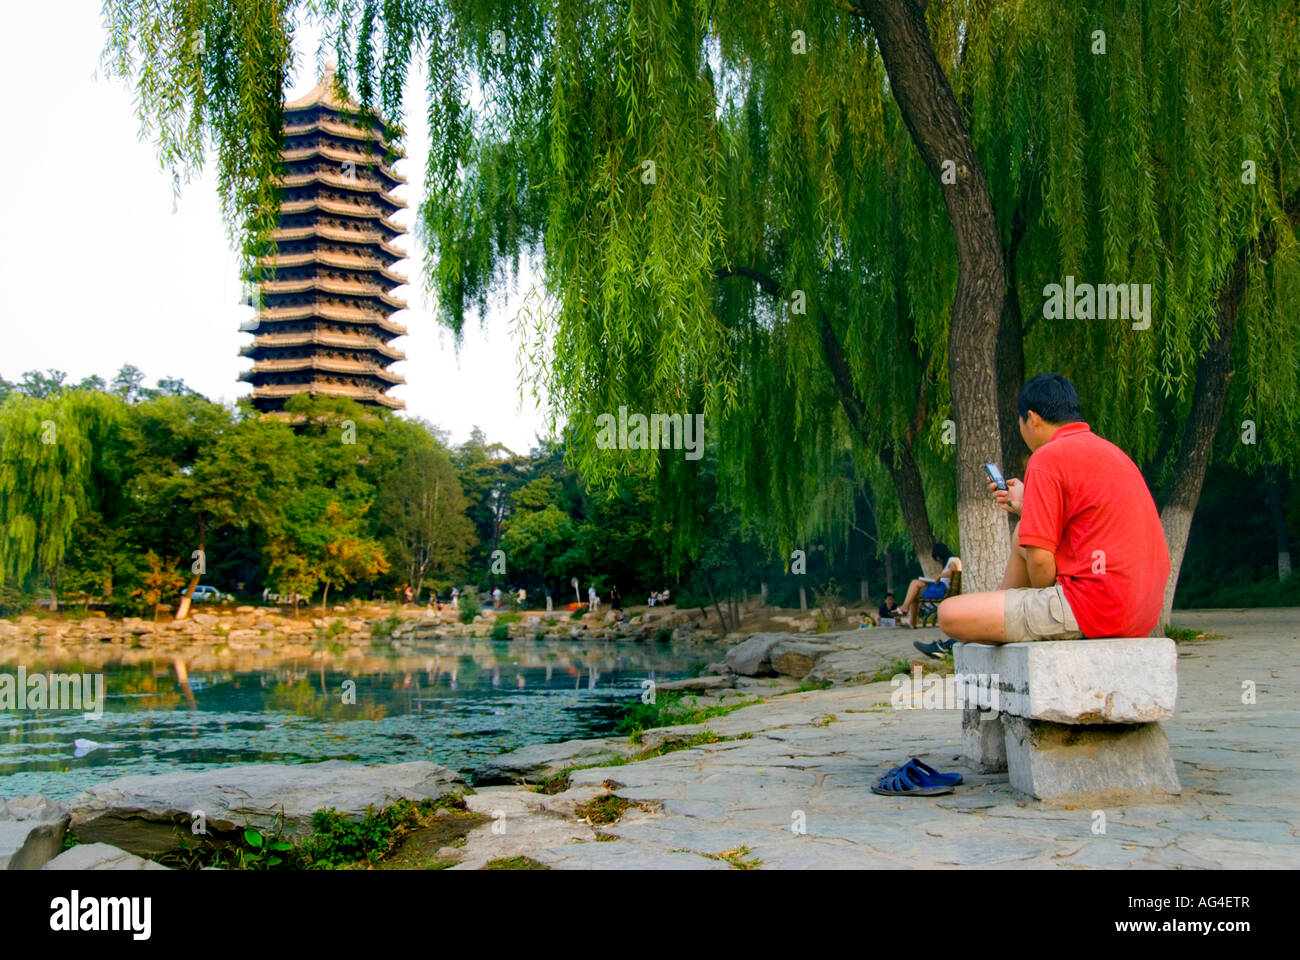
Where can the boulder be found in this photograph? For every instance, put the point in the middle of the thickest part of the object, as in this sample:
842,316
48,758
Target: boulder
541,760
752,657
145,814
847,666
31,832
100,856
796,658
205,620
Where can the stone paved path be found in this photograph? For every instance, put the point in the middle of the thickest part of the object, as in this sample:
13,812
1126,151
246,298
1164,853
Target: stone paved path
812,758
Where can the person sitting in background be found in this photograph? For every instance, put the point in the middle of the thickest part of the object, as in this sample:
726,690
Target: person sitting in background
885,614
926,588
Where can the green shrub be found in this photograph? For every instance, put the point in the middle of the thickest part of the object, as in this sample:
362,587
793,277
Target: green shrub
577,614
383,629
12,600
337,841
669,710
469,605
500,631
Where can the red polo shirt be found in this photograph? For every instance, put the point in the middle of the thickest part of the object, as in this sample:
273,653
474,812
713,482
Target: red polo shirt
1086,501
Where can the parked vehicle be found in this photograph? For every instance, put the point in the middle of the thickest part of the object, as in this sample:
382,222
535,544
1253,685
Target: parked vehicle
205,594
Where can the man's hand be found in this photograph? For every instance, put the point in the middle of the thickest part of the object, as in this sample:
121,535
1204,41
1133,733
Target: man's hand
1012,499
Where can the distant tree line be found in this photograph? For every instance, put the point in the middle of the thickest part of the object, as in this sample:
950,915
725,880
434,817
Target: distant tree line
131,496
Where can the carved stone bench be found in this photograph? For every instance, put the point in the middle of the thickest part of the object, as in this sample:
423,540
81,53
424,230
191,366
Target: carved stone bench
1076,722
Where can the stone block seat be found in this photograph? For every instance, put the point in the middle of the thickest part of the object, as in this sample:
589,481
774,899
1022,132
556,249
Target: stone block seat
1075,722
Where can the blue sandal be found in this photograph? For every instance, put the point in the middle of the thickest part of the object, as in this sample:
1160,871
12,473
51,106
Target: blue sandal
907,781
930,776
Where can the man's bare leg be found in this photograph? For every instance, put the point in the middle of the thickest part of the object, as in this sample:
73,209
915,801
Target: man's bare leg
982,617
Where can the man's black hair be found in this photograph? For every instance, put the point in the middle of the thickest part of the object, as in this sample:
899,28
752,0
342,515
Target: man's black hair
941,551
1052,397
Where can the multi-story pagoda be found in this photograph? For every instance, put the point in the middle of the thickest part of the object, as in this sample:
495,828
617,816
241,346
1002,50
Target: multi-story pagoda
324,327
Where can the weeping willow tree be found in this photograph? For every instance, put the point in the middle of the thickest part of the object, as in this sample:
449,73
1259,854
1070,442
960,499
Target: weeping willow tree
1151,163
46,453
782,218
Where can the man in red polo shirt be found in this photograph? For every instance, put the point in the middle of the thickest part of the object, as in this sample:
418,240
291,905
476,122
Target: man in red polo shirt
1089,557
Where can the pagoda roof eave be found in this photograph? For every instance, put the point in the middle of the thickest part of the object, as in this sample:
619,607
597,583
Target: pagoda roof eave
325,365
281,261
333,286
339,156
287,314
338,341
344,183
269,392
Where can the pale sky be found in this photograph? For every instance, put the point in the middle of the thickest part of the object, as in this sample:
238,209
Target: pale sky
97,269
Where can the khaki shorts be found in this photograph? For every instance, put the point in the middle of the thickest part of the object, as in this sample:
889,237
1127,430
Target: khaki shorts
1040,614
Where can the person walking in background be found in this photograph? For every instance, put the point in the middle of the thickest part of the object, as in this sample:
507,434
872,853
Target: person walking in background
455,598
593,598
496,598
615,601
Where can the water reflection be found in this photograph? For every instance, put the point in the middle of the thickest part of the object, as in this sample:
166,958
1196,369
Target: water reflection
455,702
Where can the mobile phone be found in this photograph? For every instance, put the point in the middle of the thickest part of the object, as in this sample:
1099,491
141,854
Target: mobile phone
995,475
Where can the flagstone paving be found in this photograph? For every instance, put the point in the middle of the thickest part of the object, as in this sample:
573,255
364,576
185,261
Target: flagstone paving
795,793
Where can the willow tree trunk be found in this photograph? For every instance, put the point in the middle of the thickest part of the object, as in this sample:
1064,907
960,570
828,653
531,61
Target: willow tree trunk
1279,526
183,610
897,460
1213,373
933,118
911,498
904,474
1011,364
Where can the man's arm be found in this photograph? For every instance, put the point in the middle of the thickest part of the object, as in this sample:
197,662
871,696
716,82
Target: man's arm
1042,566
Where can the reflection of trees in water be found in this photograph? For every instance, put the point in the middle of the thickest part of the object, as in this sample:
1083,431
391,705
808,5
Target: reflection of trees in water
150,686
165,683
303,699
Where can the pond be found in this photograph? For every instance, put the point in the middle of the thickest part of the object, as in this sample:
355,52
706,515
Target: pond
452,702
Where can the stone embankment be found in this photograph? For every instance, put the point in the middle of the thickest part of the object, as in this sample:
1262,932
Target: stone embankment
216,638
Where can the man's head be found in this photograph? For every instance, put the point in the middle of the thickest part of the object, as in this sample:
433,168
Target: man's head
1046,403
889,599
